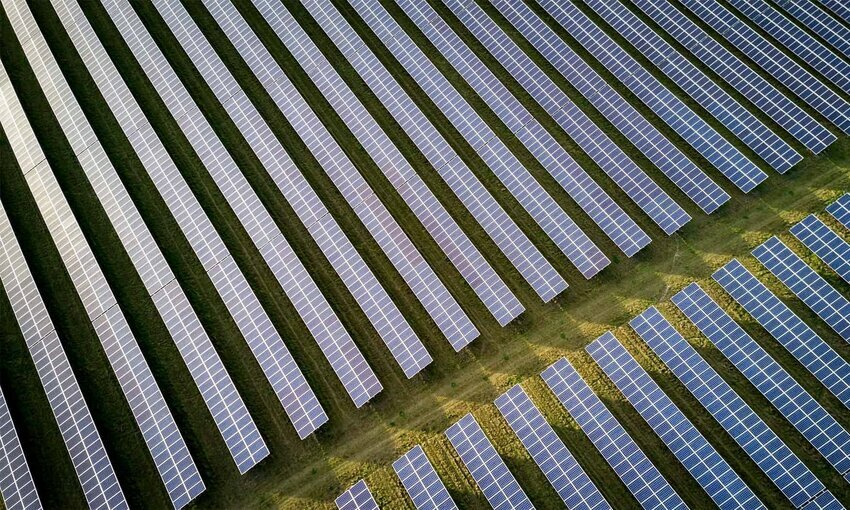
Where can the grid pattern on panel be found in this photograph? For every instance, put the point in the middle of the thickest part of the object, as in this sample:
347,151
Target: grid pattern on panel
740,76
820,97
434,217
840,210
707,141
838,7
16,486
75,422
563,231
404,256
825,243
421,481
548,451
828,28
516,246
683,172
760,443
217,388
693,450
598,205
809,286
797,40
487,468
789,330
336,344
728,111
625,457
357,497
824,501
771,380
171,457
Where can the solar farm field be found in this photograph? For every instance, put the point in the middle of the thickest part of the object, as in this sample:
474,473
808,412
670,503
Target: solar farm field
268,247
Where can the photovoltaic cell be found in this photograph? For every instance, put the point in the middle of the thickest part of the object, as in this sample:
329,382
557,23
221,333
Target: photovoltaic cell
728,111
488,469
761,444
16,486
824,501
549,153
549,452
771,380
421,481
838,7
683,172
702,137
357,497
789,330
828,28
625,457
563,231
826,244
740,76
840,210
809,286
693,450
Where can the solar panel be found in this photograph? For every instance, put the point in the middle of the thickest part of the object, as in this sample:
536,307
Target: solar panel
512,241
809,286
693,450
774,61
229,412
625,457
838,8
722,106
421,481
840,210
825,243
800,42
563,231
488,469
770,379
616,224
683,172
402,253
702,137
16,486
790,331
336,344
357,497
91,463
824,501
548,451
761,444
472,265
821,23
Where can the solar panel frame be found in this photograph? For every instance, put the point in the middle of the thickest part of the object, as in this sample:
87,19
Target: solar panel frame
357,497
761,444
687,444
840,210
821,23
825,243
17,489
421,481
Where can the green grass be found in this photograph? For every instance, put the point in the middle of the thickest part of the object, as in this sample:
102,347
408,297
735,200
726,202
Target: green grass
363,443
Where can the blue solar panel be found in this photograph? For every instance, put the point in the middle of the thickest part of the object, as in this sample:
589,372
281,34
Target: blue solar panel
790,331
840,210
357,497
488,469
824,501
624,456
705,139
17,490
761,444
825,243
726,109
820,97
771,380
549,452
821,23
421,481
839,8
739,75
692,449
809,286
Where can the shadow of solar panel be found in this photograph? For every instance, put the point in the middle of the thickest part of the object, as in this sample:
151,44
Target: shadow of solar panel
421,481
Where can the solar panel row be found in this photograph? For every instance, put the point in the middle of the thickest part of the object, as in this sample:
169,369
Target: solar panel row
821,23
728,111
683,172
840,210
839,8
421,482
16,485
472,265
230,414
512,241
336,344
278,365
563,231
693,450
76,425
357,497
617,225
702,137
825,243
